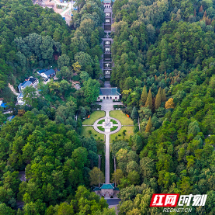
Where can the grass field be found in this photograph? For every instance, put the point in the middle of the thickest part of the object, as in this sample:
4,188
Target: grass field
118,114
93,117
129,131
96,135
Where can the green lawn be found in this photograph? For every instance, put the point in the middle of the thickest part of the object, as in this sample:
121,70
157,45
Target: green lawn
129,131
96,135
93,117
118,114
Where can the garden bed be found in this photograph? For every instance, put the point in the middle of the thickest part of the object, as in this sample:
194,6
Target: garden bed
113,121
101,128
101,121
113,128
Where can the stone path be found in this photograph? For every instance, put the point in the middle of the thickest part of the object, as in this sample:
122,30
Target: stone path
107,159
107,106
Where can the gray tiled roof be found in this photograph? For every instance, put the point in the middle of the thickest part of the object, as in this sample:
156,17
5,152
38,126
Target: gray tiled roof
24,84
49,72
109,91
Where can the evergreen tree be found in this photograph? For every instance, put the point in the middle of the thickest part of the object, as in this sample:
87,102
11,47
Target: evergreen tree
149,125
163,95
149,100
134,113
158,99
143,96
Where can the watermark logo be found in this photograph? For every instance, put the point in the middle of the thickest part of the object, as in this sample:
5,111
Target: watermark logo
164,200
173,200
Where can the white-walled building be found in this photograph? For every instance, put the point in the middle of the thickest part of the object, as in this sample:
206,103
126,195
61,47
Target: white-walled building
31,81
20,99
109,93
48,74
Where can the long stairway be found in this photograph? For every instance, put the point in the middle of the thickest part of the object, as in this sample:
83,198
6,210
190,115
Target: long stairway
106,62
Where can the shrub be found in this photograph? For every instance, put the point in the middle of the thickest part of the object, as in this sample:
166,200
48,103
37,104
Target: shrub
101,121
124,131
113,121
113,128
101,128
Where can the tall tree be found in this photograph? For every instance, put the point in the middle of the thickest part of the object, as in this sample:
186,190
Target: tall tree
65,73
63,60
134,113
149,100
163,95
116,176
96,176
143,96
158,99
149,125
30,96
91,90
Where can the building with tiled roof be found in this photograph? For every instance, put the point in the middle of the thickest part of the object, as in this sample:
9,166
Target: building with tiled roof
48,73
107,190
109,93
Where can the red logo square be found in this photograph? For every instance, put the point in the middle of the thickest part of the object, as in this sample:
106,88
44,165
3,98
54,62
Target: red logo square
164,200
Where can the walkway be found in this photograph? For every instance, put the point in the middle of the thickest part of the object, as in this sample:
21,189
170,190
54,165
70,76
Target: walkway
107,106
12,89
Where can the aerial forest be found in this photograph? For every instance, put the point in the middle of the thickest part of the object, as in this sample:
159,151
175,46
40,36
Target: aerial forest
44,162
164,66
163,53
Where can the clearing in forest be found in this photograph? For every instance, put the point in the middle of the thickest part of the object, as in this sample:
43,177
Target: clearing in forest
118,114
93,117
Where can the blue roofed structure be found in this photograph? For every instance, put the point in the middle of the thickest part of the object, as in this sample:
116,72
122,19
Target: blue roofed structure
47,74
3,105
10,118
107,190
50,72
42,70
107,186
23,85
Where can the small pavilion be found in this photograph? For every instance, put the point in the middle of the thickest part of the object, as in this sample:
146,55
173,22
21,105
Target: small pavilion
107,190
